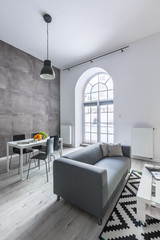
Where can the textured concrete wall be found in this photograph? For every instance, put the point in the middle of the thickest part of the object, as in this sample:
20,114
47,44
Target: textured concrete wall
27,103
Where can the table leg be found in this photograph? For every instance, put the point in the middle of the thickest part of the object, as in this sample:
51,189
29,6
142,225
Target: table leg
141,211
7,157
61,147
21,163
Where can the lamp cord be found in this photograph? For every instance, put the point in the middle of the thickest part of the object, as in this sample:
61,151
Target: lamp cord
47,42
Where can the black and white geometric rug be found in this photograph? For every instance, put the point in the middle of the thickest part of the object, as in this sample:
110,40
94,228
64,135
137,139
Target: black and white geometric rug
123,223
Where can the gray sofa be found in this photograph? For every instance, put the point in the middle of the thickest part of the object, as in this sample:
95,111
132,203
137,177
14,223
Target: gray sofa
88,180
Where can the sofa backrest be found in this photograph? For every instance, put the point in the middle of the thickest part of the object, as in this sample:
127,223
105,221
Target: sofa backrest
126,151
90,154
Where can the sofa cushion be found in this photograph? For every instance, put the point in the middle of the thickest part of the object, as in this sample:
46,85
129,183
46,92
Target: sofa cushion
90,154
104,147
116,167
115,150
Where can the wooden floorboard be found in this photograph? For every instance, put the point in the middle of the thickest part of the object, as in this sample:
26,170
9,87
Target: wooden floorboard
29,210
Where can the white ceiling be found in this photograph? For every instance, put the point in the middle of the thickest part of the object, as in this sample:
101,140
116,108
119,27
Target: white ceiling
80,29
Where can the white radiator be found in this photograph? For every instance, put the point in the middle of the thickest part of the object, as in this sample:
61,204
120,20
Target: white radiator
66,134
142,142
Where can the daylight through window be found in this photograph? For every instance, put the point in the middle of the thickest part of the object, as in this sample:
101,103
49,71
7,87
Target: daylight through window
99,109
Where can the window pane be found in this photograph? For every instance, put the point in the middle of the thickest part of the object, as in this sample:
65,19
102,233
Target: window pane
103,129
87,109
103,95
93,137
103,78
95,88
110,94
103,118
87,97
94,118
110,138
94,128
87,127
110,117
94,109
94,96
109,84
110,108
102,87
88,88
103,108
94,80
94,115
87,117
87,137
103,138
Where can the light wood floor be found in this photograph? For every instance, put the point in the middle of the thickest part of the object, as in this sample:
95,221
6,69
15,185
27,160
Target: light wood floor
29,210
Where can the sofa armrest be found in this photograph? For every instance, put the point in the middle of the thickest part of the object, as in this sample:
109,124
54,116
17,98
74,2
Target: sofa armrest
80,183
126,151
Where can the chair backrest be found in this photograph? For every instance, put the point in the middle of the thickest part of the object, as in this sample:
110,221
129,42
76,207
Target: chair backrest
56,142
33,134
16,138
49,147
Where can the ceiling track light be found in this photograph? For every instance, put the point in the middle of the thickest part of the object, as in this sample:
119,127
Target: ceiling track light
47,71
95,58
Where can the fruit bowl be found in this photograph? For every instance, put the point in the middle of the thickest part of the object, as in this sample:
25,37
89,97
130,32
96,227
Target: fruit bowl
44,135
38,137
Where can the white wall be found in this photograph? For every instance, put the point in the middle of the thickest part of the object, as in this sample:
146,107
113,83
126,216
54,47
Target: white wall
136,78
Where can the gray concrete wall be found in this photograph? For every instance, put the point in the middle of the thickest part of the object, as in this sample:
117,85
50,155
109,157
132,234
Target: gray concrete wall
27,103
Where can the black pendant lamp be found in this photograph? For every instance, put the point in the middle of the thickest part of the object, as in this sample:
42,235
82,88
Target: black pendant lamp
47,71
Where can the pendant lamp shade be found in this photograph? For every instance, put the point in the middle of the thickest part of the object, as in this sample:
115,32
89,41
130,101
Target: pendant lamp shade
47,71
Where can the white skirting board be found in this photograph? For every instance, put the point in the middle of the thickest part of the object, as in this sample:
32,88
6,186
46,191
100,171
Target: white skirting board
66,134
142,142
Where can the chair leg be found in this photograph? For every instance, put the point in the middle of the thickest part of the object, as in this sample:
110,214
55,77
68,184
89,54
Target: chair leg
48,164
10,162
26,158
39,164
32,153
53,155
29,168
46,170
60,153
58,198
35,162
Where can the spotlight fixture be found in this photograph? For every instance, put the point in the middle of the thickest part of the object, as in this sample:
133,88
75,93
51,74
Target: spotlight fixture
47,71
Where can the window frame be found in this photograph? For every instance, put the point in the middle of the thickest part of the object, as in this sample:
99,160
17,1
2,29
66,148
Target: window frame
96,103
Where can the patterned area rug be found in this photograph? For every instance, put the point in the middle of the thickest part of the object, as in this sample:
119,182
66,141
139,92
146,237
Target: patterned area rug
123,223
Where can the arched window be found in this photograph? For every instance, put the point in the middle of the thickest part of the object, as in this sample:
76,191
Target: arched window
98,123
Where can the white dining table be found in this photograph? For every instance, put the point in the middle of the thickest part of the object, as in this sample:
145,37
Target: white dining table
27,143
